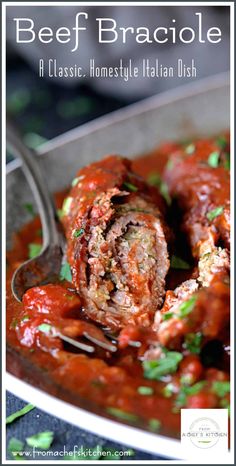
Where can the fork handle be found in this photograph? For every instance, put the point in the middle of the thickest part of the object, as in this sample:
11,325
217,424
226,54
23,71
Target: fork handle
37,183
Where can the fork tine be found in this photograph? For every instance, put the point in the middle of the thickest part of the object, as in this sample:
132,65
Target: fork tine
77,344
135,344
102,343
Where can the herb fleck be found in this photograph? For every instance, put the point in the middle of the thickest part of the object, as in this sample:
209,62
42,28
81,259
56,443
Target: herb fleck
34,250
221,388
41,440
178,263
119,413
144,390
213,159
168,364
30,208
193,342
19,413
186,307
78,233
154,424
65,272
212,214
130,186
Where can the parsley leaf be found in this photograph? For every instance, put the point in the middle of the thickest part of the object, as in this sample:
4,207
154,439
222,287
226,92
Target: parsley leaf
78,233
167,315
212,214
34,250
186,307
120,414
15,447
154,424
187,390
41,440
65,272
193,342
30,208
178,263
221,388
19,413
130,186
168,364
221,142
66,205
144,390
213,159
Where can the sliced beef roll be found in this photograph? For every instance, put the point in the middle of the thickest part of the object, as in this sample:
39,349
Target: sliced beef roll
117,244
198,177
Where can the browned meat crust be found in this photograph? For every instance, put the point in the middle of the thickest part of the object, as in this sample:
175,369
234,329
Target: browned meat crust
117,245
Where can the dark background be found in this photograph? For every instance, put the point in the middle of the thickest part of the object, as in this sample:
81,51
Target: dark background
44,109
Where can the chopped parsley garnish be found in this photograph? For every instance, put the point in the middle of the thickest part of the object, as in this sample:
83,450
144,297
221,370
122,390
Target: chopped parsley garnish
14,323
25,318
75,181
167,315
168,364
165,192
78,233
34,250
221,388
29,208
120,414
186,307
168,390
213,159
45,328
130,186
178,263
224,403
227,161
65,272
190,149
212,214
154,179
193,342
144,390
66,205
41,440
221,142
188,390
15,446
60,213
154,424
19,413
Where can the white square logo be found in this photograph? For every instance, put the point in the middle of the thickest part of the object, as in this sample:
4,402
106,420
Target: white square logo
204,431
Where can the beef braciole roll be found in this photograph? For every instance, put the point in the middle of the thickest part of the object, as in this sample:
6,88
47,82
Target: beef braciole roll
198,176
117,243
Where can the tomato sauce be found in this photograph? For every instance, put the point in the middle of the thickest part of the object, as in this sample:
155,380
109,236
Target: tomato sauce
109,384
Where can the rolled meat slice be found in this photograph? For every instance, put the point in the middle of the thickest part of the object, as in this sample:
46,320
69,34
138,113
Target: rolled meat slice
198,176
117,243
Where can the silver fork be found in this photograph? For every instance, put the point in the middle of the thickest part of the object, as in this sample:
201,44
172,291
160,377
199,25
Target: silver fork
45,268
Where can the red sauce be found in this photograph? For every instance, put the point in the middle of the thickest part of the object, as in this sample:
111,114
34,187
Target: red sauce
103,382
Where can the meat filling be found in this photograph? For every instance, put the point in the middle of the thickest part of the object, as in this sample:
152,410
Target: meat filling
120,259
